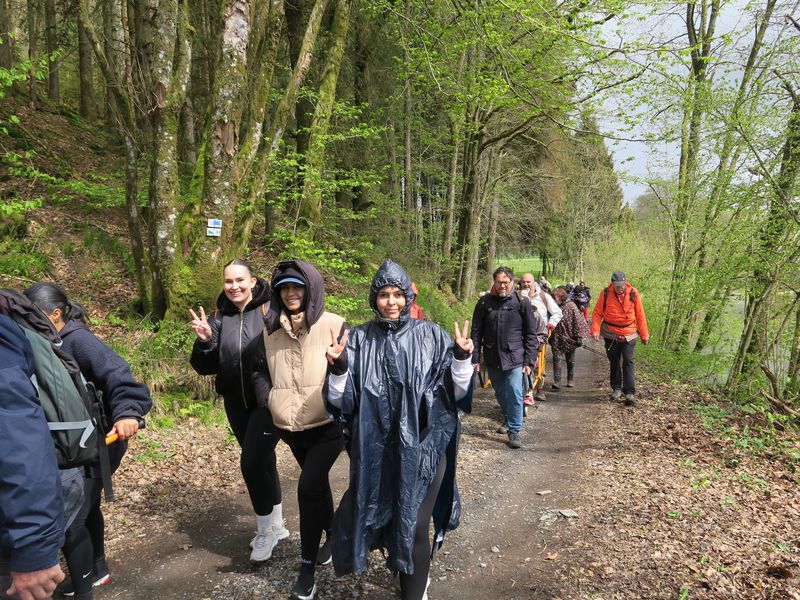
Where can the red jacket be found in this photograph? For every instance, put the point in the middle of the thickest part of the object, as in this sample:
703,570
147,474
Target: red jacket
621,316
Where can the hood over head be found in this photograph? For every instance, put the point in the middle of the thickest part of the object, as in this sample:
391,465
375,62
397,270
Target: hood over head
261,295
390,273
314,300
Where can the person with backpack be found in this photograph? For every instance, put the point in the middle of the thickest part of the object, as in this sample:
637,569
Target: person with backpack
396,385
125,401
508,333
32,512
289,372
549,312
567,337
618,317
223,342
582,298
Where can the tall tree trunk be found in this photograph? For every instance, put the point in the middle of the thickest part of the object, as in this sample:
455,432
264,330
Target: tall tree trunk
311,207
6,39
113,47
134,220
87,104
171,69
32,25
128,124
262,66
262,166
491,248
296,21
450,211
222,170
51,46
701,36
409,206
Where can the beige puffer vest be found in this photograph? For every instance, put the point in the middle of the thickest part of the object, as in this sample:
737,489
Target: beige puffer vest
297,367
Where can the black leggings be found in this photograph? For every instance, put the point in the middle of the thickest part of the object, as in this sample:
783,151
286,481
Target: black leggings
412,587
257,438
315,451
84,545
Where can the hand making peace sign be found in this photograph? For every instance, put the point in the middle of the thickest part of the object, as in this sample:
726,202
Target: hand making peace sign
463,340
200,325
336,348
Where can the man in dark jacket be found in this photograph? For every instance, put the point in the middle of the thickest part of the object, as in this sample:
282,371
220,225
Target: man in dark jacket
31,510
506,329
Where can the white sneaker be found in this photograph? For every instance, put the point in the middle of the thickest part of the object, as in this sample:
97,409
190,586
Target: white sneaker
279,531
263,545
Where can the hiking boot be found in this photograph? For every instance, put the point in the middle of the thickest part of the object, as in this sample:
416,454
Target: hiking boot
513,440
502,429
630,400
540,397
301,592
570,382
616,394
324,556
68,589
263,545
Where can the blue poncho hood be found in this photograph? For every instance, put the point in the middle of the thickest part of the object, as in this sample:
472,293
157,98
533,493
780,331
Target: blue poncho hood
391,274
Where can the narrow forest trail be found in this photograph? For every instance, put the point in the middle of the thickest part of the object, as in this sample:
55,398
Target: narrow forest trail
634,524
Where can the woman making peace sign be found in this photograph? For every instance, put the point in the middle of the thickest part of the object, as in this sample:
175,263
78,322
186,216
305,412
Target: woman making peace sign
222,341
396,388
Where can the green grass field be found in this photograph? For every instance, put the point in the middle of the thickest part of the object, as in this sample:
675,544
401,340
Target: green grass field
520,266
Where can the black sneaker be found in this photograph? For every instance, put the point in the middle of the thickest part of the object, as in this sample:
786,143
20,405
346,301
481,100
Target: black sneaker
299,592
555,386
68,589
570,382
324,556
513,440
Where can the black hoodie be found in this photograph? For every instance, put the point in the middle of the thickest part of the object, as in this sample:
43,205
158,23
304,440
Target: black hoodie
234,334
314,300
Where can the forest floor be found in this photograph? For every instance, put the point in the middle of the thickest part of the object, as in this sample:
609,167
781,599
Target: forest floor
603,501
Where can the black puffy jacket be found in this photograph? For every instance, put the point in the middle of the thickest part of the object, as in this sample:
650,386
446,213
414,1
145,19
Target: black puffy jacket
505,329
399,417
234,334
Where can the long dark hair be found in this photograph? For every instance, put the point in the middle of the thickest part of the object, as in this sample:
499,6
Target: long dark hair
48,297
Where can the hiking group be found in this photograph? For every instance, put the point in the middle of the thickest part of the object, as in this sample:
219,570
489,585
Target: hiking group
513,324
389,392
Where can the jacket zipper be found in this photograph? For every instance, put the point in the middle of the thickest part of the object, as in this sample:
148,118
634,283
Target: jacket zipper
241,366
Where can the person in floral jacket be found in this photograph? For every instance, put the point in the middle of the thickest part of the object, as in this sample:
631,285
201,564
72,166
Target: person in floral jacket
568,336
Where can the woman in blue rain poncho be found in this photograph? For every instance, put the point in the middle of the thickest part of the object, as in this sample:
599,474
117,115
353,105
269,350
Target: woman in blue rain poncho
395,387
